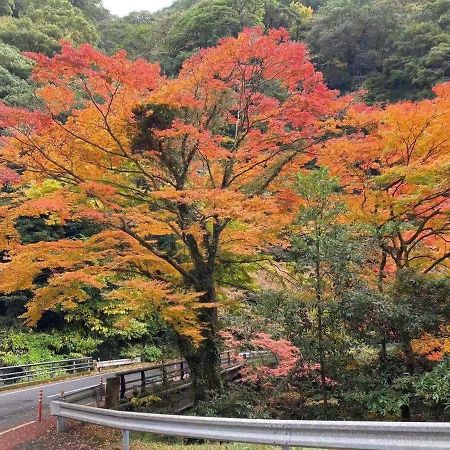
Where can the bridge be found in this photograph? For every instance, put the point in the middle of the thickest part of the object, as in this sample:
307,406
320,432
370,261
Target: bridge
83,404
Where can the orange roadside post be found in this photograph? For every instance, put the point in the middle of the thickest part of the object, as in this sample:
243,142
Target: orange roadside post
39,407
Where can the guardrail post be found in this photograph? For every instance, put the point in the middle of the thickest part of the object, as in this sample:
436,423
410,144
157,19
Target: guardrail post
125,440
229,358
98,397
102,389
60,424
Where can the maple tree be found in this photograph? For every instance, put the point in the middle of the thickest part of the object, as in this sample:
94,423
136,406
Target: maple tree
184,176
434,348
8,177
395,169
287,357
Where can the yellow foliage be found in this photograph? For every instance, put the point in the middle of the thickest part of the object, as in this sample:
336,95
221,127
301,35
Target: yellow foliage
435,348
169,204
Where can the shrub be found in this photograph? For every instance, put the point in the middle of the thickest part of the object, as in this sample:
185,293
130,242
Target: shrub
147,353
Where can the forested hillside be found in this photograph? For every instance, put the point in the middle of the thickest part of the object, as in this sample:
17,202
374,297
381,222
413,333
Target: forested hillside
265,174
394,50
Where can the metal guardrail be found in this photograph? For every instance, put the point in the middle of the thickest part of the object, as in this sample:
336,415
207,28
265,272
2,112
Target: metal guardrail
115,363
35,371
283,433
83,396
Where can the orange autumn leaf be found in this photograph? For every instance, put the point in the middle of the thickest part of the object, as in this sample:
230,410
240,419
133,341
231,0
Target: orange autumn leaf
175,173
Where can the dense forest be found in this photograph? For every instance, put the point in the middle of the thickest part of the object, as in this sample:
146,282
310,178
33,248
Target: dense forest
264,174
392,50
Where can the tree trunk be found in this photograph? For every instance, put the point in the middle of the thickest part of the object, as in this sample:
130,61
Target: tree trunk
323,376
383,350
204,366
204,359
405,412
320,331
409,355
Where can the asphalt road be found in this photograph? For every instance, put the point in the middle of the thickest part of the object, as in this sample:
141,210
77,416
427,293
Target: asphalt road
20,406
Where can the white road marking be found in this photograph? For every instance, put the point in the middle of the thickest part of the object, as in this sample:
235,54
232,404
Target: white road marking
16,428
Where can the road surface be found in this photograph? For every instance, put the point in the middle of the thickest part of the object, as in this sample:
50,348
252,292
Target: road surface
20,406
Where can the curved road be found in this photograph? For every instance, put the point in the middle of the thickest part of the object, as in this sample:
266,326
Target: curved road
20,406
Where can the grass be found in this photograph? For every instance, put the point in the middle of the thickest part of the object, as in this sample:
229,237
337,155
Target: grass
141,441
80,436
143,446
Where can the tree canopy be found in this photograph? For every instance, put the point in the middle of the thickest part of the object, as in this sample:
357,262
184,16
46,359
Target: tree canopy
175,182
192,161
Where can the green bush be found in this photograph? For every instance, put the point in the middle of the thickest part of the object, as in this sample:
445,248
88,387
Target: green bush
433,389
147,353
21,347
148,401
236,401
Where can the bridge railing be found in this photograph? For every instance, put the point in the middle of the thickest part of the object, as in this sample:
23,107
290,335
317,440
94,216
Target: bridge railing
171,371
155,374
115,363
42,370
283,433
